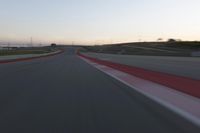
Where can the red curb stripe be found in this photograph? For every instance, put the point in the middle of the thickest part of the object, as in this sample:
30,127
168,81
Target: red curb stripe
27,59
183,84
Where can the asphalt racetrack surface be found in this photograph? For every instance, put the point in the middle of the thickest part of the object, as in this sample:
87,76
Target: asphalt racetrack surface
64,94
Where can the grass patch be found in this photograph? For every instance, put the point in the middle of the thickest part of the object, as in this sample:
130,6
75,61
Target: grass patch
24,52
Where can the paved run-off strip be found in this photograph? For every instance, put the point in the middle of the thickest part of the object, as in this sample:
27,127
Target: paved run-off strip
183,84
21,58
183,104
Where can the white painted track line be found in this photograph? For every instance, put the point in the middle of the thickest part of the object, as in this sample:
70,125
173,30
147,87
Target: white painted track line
185,105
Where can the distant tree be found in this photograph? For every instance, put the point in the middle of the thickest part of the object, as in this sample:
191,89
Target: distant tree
53,45
171,40
159,39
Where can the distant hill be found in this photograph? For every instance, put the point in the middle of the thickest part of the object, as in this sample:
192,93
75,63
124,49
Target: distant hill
171,48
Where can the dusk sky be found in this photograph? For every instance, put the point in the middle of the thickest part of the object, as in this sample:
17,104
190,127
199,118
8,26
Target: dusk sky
98,21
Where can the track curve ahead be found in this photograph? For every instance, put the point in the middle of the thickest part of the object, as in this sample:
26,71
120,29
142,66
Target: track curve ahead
63,94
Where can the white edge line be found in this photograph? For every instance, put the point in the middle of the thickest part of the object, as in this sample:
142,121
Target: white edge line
173,108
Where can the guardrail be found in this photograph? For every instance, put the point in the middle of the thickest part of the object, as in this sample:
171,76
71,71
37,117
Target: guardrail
30,58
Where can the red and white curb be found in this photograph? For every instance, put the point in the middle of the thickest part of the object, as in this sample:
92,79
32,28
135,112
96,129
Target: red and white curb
181,103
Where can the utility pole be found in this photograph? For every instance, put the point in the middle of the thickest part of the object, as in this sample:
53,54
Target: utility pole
31,42
8,46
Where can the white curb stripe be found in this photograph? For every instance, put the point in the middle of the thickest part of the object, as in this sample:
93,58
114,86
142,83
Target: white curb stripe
185,105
